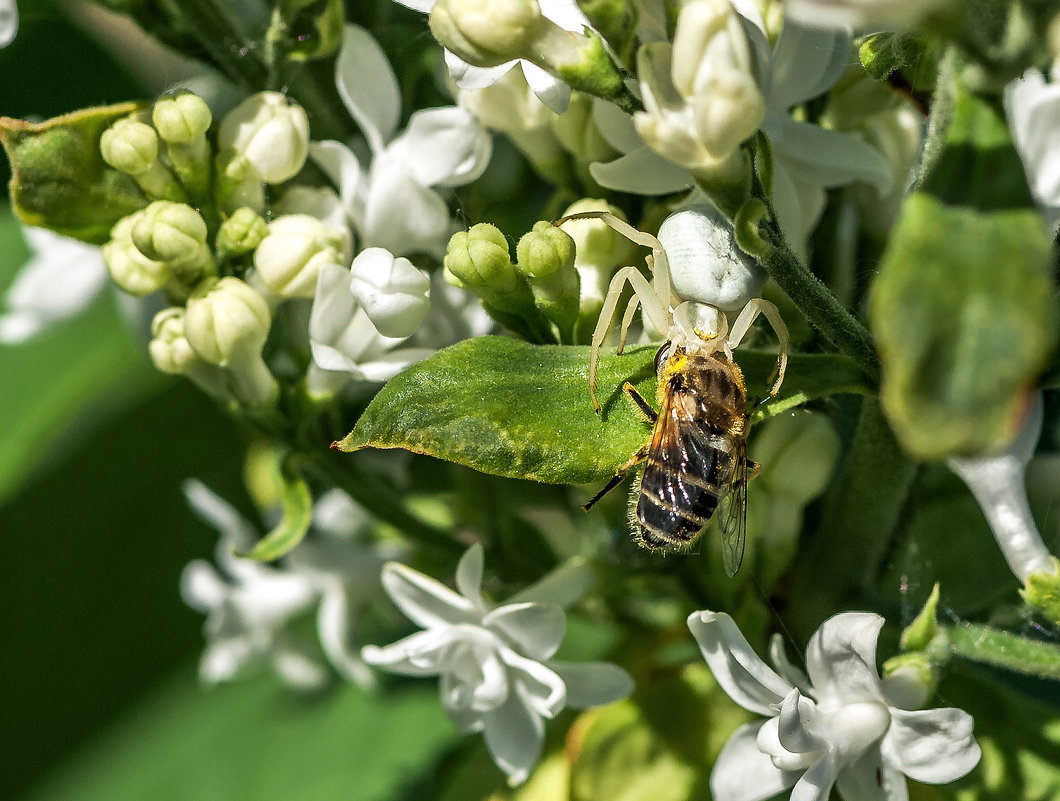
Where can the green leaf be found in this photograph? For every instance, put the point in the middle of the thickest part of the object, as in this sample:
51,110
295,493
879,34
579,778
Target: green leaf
60,179
962,307
256,740
297,504
506,407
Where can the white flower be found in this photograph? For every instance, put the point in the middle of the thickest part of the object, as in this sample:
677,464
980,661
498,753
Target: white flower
807,159
863,14
394,293
289,258
998,482
8,21
345,344
249,604
390,201
61,278
1032,104
833,725
552,91
494,662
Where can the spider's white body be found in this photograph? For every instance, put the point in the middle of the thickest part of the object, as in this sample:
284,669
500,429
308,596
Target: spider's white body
691,324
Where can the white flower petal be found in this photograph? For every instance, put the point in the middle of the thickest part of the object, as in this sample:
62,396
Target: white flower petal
425,601
841,659
541,687
390,364
535,629
418,5
831,158
549,89
562,586
514,736
642,172
933,746
443,147
469,575
467,76
806,63
394,293
592,683
368,86
795,676
743,773
336,621
236,533
615,126
402,215
8,21
870,778
792,732
340,164
424,653
201,587
747,679
296,667
816,783
225,657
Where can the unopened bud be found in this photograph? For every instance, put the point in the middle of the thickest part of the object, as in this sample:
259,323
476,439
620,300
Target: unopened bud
173,233
546,256
480,258
173,354
131,146
181,118
130,269
289,258
393,292
486,32
241,233
270,132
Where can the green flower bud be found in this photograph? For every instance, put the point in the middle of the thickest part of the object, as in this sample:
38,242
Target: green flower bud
181,118
130,269
546,256
798,453
176,234
226,323
486,32
289,258
131,146
918,635
479,259
1042,591
908,680
598,244
241,233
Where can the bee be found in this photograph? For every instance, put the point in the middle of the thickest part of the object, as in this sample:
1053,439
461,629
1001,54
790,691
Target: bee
696,459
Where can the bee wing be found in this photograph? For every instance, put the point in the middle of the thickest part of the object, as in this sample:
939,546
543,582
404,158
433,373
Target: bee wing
733,514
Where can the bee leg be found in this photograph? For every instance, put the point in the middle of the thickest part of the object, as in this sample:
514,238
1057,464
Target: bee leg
642,404
616,479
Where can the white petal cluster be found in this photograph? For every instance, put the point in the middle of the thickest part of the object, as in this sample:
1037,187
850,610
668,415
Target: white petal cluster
552,91
495,665
270,133
391,198
807,158
249,604
831,726
1032,104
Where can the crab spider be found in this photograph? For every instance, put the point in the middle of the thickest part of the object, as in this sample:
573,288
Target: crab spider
692,325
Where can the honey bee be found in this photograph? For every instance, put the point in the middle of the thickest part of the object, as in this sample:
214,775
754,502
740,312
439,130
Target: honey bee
696,459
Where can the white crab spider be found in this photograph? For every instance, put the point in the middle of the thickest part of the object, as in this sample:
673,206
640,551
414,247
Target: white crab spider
692,325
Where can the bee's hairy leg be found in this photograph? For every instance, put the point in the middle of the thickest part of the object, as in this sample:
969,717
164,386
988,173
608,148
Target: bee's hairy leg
642,404
620,474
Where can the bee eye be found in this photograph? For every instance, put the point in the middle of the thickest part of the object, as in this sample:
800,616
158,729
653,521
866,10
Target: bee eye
661,358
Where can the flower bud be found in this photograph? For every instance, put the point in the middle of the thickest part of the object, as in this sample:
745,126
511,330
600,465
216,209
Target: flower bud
546,256
181,118
288,259
597,244
1042,590
173,233
479,258
798,453
131,146
908,680
130,269
173,354
226,323
706,264
392,291
270,132
486,32
241,233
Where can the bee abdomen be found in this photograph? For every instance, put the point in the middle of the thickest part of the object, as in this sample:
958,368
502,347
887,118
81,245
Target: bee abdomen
673,507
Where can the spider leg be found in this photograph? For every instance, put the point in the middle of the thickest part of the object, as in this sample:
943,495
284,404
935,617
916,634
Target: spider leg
743,323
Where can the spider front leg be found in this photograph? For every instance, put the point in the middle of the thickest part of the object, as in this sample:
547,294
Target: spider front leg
653,307
743,323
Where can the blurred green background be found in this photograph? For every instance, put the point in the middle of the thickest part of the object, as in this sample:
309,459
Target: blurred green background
99,693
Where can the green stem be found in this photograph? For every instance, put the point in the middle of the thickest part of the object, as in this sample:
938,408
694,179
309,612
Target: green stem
382,501
1002,649
823,309
860,515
